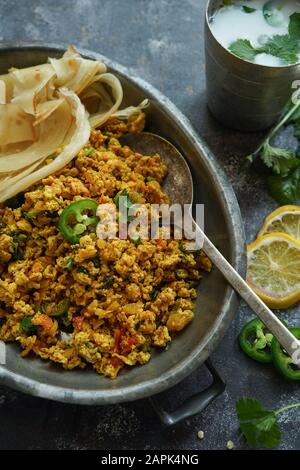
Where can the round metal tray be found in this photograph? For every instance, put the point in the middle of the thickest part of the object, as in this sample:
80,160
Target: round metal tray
216,303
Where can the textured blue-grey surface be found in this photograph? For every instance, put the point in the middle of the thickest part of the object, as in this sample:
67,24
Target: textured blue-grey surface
162,41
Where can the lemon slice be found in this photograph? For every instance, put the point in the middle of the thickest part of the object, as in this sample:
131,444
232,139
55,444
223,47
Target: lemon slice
285,219
274,269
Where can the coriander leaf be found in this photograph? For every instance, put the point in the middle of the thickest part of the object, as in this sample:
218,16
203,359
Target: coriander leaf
283,46
258,424
248,9
280,160
26,325
243,49
294,26
270,439
285,190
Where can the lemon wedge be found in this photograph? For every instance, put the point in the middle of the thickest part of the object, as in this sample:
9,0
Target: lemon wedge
285,219
274,269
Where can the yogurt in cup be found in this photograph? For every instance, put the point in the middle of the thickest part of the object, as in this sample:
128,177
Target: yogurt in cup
252,60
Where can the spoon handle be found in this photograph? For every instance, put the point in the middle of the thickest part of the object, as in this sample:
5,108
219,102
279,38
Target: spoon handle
274,325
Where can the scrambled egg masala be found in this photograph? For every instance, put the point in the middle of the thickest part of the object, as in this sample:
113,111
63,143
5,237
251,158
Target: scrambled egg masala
103,303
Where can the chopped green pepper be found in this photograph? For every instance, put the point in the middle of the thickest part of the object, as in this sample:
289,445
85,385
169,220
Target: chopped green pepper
60,309
282,361
255,341
69,264
30,215
77,218
108,281
26,325
182,273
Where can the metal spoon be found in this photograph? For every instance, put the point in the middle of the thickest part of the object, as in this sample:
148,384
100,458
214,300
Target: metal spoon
179,187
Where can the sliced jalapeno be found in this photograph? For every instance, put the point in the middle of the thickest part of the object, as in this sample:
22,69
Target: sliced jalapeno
61,309
77,218
255,341
282,361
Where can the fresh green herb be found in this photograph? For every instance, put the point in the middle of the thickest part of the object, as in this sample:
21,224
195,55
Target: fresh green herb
247,9
40,308
150,178
154,294
96,261
16,201
89,152
65,323
286,46
108,282
26,325
243,48
284,183
280,160
17,244
136,239
127,203
124,193
259,425
285,190
83,270
70,263
294,26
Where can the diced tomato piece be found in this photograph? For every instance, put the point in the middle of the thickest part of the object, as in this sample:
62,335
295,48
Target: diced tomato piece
116,362
78,321
42,320
118,335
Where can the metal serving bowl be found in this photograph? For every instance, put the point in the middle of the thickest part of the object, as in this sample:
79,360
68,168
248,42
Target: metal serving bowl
217,302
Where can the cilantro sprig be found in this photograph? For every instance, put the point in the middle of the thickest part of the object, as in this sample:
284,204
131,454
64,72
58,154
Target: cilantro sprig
286,46
258,424
284,164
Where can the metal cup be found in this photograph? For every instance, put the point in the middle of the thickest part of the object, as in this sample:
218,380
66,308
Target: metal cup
240,94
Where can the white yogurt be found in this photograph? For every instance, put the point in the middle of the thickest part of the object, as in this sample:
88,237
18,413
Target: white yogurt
231,23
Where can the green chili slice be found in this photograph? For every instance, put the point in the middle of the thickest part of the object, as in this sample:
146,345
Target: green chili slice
255,341
77,218
60,309
282,361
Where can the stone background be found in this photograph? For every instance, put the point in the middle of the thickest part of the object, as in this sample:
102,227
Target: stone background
162,41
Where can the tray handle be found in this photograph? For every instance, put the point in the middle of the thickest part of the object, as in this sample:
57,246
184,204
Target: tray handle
193,405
